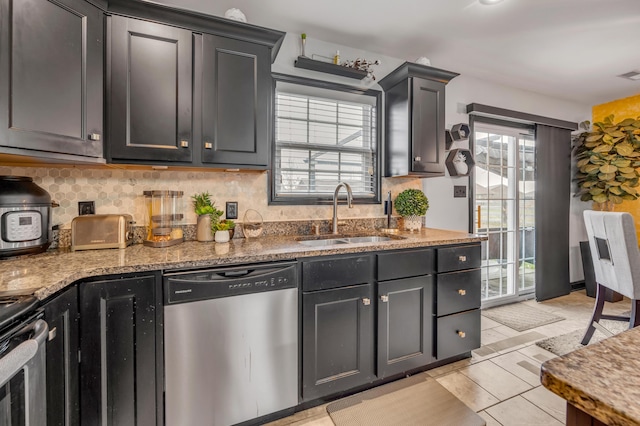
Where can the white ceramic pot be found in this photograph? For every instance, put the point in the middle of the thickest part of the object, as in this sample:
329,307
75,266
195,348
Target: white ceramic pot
222,237
203,229
413,223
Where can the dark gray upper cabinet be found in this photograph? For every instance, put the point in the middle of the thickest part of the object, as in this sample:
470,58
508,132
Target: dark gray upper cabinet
51,78
149,92
236,102
415,121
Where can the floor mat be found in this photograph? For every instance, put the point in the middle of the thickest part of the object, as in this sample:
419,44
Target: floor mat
561,345
520,317
418,400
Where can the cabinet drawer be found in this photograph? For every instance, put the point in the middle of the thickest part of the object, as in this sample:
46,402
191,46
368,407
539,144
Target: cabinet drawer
402,264
459,258
457,292
457,334
337,272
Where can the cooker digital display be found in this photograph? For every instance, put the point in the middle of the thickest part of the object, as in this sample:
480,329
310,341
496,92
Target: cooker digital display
25,220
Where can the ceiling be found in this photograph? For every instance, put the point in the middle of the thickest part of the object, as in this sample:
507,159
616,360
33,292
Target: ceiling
569,49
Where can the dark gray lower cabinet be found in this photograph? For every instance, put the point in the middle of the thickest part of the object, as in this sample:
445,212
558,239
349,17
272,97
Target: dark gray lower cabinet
338,340
405,324
458,333
63,370
121,351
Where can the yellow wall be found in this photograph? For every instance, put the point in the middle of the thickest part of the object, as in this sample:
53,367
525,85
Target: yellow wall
621,109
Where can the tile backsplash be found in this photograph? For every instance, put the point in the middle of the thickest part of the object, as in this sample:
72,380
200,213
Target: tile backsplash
120,191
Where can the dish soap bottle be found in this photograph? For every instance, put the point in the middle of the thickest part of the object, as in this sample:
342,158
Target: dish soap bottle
336,59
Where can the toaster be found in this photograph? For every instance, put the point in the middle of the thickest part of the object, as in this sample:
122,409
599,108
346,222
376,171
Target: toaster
100,231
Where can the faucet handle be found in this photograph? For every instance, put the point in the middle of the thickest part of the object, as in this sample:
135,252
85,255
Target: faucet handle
316,228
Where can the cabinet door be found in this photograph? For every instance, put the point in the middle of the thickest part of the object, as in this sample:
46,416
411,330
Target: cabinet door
51,84
150,86
236,90
337,340
118,349
427,141
405,324
63,370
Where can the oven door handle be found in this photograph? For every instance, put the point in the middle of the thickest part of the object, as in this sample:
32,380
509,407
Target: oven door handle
15,360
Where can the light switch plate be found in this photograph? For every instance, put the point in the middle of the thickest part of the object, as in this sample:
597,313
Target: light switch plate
86,207
459,191
231,210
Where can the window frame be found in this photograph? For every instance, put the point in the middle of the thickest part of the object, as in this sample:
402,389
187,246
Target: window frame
318,199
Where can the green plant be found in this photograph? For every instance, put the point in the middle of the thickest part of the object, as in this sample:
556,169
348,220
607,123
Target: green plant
411,202
202,204
607,157
223,225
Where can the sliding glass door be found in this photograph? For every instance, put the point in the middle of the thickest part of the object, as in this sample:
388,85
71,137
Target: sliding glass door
504,199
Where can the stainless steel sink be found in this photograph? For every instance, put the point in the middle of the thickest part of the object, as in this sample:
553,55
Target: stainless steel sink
324,241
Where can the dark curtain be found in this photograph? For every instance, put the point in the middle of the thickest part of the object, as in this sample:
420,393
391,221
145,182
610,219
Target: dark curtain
553,195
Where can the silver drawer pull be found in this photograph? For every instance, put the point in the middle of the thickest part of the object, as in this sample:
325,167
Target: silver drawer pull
208,145
366,301
53,333
461,334
94,136
417,159
384,298
462,292
184,144
462,258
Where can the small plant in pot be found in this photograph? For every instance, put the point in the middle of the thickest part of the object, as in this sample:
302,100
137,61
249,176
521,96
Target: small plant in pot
412,205
223,230
208,215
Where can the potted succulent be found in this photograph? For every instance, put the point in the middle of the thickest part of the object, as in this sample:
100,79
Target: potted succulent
412,204
607,158
223,230
208,215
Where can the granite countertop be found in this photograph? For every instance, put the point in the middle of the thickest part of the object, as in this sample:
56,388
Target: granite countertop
601,379
45,274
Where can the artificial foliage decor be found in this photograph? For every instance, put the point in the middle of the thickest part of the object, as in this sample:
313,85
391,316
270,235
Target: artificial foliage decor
607,156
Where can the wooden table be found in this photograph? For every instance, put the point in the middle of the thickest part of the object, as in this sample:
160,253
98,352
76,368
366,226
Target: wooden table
600,382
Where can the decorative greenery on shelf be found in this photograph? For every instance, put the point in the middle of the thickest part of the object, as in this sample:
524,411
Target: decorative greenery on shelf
411,202
223,225
607,158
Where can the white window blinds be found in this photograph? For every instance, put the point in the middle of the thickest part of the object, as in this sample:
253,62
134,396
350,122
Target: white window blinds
323,137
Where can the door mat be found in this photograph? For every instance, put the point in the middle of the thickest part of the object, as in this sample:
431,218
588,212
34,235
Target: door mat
520,317
417,400
561,345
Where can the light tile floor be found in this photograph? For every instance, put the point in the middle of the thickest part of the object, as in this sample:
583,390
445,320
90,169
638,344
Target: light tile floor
501,380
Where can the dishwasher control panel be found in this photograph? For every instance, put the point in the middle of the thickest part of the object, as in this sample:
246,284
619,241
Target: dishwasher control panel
191,286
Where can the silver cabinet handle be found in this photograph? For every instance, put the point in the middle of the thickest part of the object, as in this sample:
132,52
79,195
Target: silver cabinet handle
417,159
208,145
461,334
366,301
53,333
94,137
384,298
462,258
462,292
184,143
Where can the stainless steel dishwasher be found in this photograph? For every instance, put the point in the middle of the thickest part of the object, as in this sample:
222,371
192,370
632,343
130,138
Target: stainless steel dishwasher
231,343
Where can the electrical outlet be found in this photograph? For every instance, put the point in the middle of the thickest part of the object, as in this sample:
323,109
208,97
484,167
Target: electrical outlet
86,207
232,210
459,191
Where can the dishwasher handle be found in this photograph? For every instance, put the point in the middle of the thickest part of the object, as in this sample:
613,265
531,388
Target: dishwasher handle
15,360
235,274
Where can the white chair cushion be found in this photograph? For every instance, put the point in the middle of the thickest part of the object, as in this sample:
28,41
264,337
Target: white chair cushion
622,272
